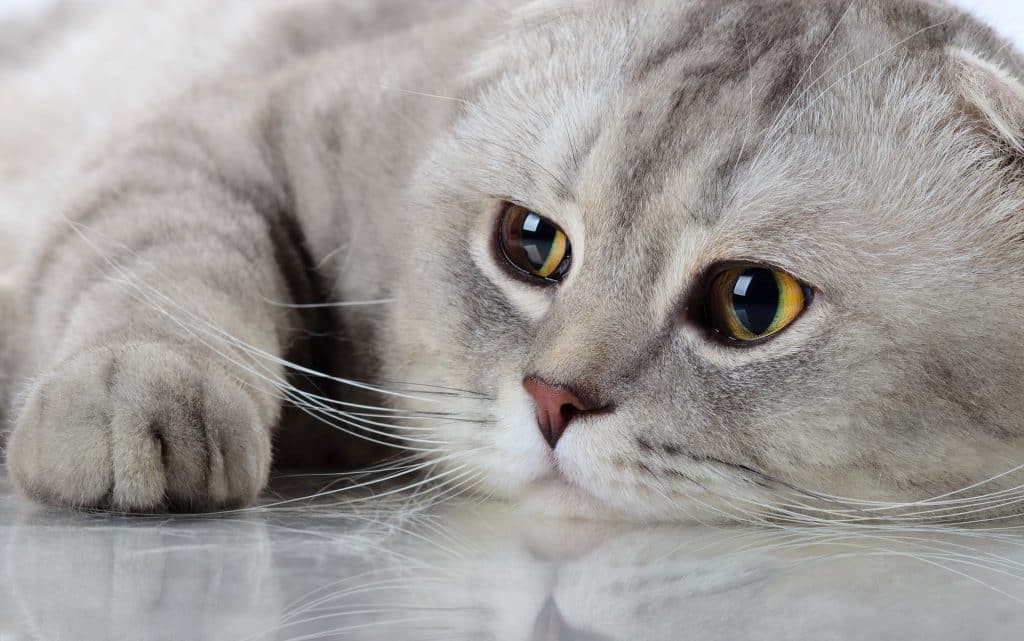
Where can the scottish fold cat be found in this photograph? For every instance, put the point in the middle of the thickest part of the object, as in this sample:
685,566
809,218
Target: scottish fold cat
658,260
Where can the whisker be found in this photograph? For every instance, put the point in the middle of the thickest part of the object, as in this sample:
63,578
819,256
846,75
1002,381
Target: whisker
425,94
350,303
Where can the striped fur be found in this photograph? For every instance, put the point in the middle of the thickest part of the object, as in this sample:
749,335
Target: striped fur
187,291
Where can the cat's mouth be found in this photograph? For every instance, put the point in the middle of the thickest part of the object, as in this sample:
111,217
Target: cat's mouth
561,481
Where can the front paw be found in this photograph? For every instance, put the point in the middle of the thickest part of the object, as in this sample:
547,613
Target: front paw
142,427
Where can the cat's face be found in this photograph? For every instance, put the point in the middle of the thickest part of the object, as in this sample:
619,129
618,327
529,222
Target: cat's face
837,145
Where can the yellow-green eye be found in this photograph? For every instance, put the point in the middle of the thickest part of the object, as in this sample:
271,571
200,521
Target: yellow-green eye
533,244
750,303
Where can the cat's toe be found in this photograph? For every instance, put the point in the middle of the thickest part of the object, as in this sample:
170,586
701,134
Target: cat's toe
62,464
140,428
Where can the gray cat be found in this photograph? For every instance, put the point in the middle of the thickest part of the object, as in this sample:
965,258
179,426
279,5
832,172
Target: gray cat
646,259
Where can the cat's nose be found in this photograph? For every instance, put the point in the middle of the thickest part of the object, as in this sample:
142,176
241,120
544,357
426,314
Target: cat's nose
556,408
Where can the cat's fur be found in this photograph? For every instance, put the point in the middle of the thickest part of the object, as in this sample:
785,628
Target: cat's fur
873,148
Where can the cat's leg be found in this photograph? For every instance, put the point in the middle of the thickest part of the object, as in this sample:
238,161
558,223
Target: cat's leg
152,340
11,324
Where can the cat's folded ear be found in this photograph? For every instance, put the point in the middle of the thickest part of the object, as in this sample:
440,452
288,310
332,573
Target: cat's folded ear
996,97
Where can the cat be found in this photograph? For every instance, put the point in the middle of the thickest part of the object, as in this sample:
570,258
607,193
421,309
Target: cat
651,260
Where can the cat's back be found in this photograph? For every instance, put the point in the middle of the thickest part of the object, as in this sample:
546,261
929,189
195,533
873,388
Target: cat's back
78,71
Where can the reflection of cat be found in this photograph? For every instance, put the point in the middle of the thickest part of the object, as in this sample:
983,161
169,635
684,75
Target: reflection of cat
727,257
471,574
72,579
656,581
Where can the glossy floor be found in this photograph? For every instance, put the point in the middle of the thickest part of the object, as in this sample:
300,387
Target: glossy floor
477,572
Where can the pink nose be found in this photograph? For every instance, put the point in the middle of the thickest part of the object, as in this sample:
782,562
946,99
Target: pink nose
556,407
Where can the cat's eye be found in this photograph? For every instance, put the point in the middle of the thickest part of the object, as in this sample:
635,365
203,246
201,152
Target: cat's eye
751,303
533,244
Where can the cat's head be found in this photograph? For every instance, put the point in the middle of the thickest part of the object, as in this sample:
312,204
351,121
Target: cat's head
748,248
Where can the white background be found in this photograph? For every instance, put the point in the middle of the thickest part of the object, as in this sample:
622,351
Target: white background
1007,16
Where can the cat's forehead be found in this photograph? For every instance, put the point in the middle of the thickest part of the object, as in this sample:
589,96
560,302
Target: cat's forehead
660,112
667,72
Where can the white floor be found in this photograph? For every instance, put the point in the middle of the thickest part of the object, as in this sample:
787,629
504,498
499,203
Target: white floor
478,573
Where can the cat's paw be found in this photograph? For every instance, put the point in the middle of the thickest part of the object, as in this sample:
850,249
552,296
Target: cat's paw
144,427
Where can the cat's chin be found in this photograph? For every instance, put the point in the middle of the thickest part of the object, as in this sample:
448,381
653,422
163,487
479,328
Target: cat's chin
556,497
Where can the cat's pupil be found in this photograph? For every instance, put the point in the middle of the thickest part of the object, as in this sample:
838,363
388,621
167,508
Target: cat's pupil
755,300
538,239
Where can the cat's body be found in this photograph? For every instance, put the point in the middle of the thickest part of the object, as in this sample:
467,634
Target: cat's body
870,149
